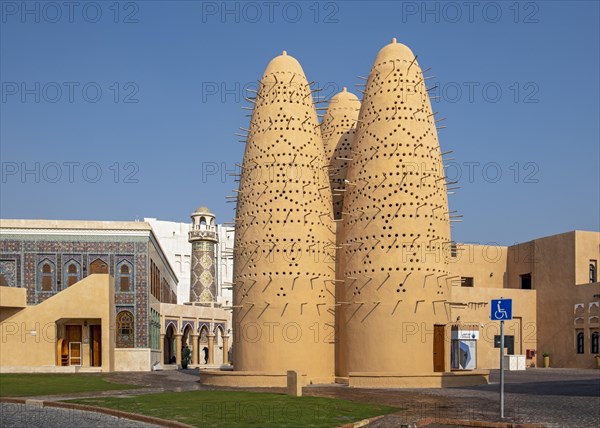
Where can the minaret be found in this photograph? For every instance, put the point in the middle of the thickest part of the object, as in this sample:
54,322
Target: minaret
396,225
203,237
284,238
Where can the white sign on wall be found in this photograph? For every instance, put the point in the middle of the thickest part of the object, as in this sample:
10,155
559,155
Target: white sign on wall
465,334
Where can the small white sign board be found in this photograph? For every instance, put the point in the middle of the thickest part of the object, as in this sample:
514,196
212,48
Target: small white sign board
465,334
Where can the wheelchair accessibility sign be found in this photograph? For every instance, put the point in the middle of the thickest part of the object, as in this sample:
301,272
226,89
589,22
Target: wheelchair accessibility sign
501,310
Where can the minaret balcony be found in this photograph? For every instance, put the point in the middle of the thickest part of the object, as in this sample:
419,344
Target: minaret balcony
202,235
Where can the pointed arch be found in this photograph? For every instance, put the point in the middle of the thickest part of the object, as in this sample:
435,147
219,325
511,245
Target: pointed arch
580,342
71,272
125,330
124,276
46,275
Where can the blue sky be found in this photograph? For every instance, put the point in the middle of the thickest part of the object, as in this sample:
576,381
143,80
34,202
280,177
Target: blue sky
117,111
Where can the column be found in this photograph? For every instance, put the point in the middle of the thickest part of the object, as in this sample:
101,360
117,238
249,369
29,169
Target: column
162,349
195,350
178,349
211,348
225,349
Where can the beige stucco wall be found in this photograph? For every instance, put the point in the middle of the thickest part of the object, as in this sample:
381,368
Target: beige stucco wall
29,336
520,261
472,305
587,247
194,313
486,264
560,277
13,297
12,300
133,359
418,380
241,379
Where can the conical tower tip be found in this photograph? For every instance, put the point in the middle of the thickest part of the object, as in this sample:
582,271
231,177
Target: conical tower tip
394,50
284,63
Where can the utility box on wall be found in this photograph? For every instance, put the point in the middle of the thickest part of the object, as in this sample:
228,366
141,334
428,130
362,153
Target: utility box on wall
514,362
463,354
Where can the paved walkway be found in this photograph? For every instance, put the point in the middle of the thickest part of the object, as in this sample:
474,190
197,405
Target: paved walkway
28,416
553,397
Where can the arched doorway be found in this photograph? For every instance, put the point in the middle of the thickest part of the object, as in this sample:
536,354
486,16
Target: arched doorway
186,339
203,348
218,347
169,345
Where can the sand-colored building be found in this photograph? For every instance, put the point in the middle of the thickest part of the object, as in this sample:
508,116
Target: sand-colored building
89,296
66,332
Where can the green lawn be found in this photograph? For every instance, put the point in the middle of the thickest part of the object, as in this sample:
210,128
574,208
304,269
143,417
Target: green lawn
22,385
243,409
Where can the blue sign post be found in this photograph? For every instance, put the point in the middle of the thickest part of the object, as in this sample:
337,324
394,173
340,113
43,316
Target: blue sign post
501,310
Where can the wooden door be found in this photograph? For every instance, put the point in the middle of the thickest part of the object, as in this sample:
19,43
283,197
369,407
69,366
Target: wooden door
73,338
96,348
438,348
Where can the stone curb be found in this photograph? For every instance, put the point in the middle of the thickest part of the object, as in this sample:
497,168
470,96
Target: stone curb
104,410
458,422
472,423
359,424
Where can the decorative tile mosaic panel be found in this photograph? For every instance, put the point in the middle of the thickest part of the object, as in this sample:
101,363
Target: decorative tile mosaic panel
21,258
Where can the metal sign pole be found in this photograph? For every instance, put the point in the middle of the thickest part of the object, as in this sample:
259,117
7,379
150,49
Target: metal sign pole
501,369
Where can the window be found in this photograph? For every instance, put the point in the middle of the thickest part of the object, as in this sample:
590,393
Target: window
154,329
46,275
125,330
71,273
466,281
8,273
526,281
593,271
580,347
509,343
453,250
595,337
125,278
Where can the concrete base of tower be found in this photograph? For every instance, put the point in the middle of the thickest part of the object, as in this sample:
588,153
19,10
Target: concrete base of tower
254,379
416,380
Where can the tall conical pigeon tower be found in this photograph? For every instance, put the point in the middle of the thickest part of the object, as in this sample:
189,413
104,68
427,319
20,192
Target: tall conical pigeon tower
338,127
396,227
284,263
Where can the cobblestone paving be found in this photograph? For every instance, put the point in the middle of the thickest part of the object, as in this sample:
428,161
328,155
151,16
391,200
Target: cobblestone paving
33,416
553,397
